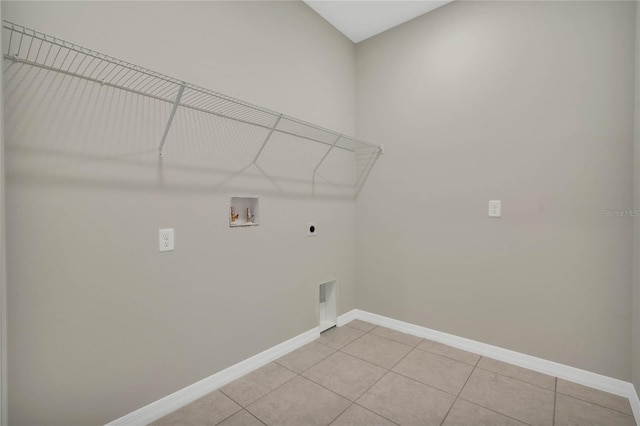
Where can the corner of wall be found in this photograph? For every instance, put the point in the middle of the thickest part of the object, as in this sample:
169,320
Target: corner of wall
635,289
3,269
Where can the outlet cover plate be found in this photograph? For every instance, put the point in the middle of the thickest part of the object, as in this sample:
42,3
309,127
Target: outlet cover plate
166,240
495,208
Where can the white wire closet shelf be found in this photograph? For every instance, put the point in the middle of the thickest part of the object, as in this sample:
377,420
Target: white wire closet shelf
34,48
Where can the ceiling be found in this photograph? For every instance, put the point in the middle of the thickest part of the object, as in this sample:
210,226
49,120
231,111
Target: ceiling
361,19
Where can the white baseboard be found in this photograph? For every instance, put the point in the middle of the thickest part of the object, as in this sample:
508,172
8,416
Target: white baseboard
583,377
170,403
347,317
635,403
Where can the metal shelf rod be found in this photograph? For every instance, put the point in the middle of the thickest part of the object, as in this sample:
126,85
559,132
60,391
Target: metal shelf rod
326,154
171,116
266,140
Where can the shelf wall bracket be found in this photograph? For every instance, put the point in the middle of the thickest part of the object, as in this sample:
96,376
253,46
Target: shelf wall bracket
326,154
176,103
266,140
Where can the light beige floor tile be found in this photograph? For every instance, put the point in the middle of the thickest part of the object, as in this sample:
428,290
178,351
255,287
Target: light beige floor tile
396,336
361,325
519,373
358,416
574,412
464,413
407,402
305,357
449,352
258,383
242,418
434,370
208,410
345,375
522,401
299,402
596,396
338,337
377,350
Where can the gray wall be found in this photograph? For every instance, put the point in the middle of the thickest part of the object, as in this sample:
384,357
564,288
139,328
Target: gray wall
100,323
636,242
527,102
3,272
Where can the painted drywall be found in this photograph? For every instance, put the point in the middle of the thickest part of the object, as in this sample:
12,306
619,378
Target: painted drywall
100,322
635,328
3,269
530,103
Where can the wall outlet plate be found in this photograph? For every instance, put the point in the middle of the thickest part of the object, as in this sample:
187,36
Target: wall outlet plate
166,240
495,208
312,229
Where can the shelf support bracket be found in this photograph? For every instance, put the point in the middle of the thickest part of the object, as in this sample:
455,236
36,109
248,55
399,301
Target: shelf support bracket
266,140
326,154
176,103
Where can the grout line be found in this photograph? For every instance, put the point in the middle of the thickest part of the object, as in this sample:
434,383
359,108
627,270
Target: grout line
285,367
498,412
359,359
222,392
331,390
377,414
326,388
458,396
504,375
342,412
397,341
313,365
520,380
491,371
253,402
448,357
596,404
356,328
509,377
241,409
324,344
427,384
255,417
555,398
482,406
340,395
492,410
422,383
381,377
394,341
336,328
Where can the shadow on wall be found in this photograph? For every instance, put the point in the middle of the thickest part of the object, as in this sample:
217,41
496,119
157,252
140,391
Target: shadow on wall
71,131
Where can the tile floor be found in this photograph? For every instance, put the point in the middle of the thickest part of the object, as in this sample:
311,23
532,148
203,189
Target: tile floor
364,375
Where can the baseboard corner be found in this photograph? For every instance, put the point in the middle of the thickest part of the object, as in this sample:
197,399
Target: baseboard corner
552,368
635,402
184,396
348,317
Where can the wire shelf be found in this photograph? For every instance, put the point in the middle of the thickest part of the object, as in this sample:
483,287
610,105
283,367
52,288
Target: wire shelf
34,48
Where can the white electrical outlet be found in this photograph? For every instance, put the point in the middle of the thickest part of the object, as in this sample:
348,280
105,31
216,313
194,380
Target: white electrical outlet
167,240
312,229
495,208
